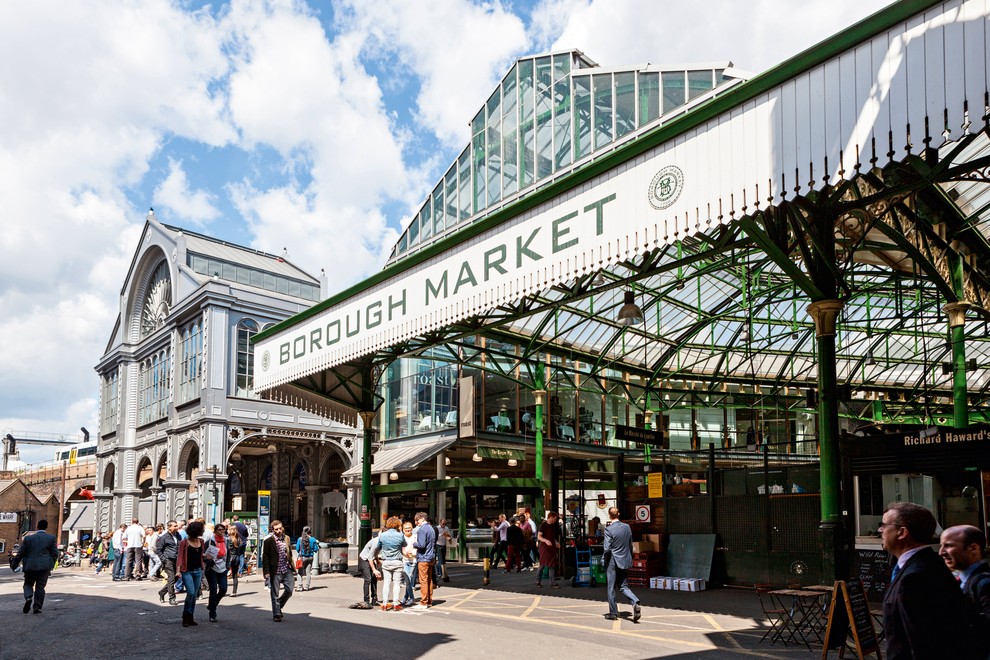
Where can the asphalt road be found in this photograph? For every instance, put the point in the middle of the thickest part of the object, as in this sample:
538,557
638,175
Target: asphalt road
89,616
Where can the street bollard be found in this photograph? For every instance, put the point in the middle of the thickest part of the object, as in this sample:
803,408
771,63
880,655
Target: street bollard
488,565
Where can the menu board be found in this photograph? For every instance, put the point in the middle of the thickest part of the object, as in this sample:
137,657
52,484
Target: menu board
873,570
849,612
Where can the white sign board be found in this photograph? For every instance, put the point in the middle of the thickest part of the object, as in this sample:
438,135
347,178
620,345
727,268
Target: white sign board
6,517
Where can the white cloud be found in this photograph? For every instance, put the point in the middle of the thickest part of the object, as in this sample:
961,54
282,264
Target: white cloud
90,91
754,35
457,49
174,194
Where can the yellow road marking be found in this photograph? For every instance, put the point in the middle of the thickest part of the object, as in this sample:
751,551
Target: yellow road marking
536,601
465,599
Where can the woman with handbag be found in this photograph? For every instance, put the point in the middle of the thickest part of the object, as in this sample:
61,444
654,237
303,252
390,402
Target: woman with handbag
189,565
216,569
390,544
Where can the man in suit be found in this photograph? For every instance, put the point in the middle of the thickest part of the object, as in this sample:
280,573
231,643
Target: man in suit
37,556
962,549
618,560
925,614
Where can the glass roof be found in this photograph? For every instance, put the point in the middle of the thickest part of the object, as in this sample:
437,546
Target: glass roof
549,115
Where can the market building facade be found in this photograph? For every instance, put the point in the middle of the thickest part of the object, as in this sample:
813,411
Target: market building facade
687,292
182,432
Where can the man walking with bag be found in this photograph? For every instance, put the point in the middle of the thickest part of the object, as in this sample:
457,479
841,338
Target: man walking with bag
618,560
37,556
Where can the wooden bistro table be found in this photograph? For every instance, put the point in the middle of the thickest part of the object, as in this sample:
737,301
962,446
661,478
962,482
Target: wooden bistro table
805,609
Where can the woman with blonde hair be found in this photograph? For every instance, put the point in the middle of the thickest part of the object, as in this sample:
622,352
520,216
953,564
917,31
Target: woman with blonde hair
235,550
390,544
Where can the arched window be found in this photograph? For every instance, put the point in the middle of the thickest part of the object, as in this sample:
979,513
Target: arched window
191,362
245,357
155,387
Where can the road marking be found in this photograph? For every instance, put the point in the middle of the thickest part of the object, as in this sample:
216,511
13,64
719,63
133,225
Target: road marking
536,601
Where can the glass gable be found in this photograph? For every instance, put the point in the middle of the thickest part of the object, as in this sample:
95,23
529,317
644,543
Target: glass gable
548,115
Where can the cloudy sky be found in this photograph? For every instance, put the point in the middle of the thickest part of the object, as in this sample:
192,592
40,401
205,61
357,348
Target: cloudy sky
312,126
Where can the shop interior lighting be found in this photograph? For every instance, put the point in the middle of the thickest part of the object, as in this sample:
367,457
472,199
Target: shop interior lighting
494,476
513,462
476,458
394,476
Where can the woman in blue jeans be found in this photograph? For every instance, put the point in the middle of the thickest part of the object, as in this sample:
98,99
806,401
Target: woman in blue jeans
189,565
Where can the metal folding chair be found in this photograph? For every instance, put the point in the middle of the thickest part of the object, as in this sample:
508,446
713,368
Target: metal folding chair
778,618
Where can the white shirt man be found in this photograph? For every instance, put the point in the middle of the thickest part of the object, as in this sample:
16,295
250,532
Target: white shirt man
134,536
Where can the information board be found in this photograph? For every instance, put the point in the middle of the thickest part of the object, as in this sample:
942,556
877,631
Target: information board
849,612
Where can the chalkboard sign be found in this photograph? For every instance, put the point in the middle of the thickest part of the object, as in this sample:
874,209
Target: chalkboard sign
849,612
874,572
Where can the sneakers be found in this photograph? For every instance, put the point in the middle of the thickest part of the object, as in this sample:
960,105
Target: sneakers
420,606
637,613
27,605
397,608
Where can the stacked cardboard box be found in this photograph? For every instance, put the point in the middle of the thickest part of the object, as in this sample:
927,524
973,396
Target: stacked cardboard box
676,583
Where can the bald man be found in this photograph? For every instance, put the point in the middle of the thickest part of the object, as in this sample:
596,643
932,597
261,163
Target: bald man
961,547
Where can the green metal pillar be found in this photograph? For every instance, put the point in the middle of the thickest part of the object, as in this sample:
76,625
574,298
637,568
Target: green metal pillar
540,394
960,390
825,313
364,532
461,523
835,560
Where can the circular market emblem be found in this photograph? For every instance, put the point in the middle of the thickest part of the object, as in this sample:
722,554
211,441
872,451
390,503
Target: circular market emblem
266,360
666,187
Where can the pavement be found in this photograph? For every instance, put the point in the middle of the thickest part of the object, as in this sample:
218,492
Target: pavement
93,616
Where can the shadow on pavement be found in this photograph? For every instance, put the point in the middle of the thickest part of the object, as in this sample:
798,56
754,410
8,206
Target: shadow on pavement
74,625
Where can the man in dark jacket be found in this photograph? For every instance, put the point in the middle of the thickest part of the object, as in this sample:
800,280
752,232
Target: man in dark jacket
167,548
278,567
925,614
37,555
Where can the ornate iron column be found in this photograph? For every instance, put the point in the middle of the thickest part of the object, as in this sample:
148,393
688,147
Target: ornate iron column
957,329
539,394
364,532
825,313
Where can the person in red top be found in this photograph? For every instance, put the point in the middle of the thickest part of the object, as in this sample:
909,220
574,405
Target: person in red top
189,565
549,547
216,569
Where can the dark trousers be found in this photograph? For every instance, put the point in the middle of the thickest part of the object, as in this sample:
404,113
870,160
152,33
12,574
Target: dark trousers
441,561
617,580
370,581
514,559
218,589
168,565
235,569
501,548
34,587
135,562
118,564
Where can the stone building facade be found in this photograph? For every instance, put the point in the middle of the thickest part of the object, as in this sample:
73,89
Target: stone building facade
182,433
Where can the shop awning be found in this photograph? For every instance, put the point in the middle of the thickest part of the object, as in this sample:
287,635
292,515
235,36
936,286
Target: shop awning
403,458
81,517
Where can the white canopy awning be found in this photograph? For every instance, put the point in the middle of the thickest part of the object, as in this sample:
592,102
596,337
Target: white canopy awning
405,457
